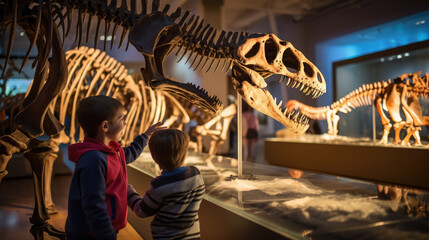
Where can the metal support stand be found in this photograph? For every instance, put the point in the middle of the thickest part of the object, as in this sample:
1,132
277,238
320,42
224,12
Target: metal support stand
373,124
240,174
240,135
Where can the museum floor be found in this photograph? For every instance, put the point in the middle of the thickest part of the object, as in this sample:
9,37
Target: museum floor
17,202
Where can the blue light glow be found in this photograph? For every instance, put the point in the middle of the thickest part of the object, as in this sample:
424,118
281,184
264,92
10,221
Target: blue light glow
401,32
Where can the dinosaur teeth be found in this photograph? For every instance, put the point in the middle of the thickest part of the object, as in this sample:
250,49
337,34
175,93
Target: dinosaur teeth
295,117
306,89
285,111
300,117
316,93
280,104
288,81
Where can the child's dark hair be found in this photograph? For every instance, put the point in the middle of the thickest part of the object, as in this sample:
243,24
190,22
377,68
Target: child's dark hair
169,148
94,110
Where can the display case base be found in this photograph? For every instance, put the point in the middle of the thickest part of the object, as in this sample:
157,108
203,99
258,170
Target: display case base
385,164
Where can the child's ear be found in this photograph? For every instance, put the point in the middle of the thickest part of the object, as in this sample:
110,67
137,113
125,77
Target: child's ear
104,126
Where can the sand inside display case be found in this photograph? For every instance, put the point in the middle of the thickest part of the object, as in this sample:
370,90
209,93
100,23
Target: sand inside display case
313,206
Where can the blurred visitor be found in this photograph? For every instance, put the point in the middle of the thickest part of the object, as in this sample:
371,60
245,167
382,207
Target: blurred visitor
250,132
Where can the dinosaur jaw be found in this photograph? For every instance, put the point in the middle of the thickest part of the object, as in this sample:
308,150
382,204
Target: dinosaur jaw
190,92
250,86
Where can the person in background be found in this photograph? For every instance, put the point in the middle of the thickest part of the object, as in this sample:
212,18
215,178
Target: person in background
250,132
175,196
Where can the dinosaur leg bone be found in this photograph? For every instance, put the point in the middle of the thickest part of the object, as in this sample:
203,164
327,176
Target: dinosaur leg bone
412,131
384,120
37,155
332,119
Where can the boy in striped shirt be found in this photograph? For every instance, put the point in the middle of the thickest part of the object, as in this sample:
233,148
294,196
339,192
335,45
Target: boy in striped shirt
174,197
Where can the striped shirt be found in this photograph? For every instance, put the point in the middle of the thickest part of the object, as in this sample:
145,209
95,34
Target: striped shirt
174,198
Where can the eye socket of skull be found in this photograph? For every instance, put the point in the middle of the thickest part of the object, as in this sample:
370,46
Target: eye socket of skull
291,61
271,50
308,70
252,52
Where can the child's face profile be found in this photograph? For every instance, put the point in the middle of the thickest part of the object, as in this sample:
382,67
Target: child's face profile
116,127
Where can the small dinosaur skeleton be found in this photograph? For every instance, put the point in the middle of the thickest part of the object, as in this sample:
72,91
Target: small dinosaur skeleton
403,92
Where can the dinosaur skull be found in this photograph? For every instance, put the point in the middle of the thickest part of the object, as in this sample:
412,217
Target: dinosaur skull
262,55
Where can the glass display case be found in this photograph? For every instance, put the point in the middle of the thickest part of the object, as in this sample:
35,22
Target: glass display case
351,74
306,206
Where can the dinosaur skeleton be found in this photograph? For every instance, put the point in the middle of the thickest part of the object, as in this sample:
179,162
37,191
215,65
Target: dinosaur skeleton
92,72
155,34
207,125
216,128
403,92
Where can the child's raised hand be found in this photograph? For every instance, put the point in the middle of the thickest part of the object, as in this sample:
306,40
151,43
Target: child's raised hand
157,126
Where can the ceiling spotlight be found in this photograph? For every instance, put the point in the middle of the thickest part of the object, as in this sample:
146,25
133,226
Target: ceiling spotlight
108,38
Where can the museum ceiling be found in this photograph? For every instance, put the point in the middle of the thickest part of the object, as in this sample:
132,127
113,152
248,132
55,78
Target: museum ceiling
243,13
237,15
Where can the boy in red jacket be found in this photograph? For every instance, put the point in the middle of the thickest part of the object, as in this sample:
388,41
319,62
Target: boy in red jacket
97,207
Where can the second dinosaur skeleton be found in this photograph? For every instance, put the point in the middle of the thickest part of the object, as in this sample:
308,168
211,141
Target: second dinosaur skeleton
403,92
